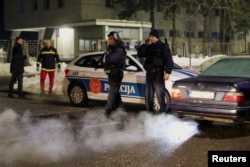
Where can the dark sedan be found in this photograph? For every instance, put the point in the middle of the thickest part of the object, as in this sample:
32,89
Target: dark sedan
220,93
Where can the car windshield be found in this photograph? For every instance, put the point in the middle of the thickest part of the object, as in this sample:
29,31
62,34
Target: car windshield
236,67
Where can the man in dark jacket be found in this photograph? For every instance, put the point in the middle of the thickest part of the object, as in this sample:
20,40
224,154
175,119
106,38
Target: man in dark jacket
114,61
17,67
158,66
48,57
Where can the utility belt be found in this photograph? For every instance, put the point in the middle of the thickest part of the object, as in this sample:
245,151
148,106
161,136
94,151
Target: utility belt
154,70
113,71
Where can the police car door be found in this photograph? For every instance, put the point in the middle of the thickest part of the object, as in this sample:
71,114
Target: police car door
97,87
133,84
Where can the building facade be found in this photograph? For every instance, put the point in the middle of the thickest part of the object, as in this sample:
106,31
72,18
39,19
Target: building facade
78,26
75,26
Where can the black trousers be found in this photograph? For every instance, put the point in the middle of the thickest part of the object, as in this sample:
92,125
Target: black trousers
19,78
114,96
155,85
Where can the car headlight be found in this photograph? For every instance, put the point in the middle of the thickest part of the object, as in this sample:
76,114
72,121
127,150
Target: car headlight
176,94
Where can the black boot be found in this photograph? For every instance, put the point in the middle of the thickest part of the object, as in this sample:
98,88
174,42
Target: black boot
10,96
107,113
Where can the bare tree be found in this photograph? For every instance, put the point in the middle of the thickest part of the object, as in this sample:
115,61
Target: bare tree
235,15
132,6
231,14
173,7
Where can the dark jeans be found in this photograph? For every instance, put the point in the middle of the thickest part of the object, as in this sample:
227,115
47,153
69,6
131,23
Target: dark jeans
114,96
155,85
19,78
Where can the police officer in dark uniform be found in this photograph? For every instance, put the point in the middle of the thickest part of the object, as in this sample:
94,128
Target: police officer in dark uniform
158,65
114,62
17,67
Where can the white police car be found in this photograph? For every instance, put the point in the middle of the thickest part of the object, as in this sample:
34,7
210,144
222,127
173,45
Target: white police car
85,79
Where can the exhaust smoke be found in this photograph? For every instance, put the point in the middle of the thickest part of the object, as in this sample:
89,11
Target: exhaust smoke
53,139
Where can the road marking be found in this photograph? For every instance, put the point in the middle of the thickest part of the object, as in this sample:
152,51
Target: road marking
105,124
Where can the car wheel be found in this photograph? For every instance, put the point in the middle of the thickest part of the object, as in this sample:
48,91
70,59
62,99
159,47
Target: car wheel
167,100
78,95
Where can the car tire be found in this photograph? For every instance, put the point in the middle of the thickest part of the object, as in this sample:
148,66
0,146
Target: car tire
167,100
78,95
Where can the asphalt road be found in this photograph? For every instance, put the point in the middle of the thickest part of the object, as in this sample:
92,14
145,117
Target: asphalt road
48,131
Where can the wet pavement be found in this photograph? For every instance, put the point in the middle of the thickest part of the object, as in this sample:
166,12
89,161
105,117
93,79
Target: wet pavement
49,131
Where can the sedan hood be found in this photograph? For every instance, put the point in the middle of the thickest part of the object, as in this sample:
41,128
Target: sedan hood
213,83
218,79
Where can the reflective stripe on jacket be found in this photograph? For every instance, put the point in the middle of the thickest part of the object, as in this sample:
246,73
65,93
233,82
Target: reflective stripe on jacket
48,58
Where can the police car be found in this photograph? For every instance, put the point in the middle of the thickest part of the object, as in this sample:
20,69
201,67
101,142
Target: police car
85,80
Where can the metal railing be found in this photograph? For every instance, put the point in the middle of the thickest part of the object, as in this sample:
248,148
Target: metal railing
182,48
30,47
212,48
4,47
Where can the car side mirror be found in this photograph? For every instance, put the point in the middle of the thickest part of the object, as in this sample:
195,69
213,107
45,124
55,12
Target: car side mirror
131,68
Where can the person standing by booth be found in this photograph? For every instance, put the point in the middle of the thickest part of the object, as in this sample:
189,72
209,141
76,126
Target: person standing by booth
17,68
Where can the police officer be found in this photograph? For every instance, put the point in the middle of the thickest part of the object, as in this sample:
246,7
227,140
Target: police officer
48,57
17,67
158,66
114,62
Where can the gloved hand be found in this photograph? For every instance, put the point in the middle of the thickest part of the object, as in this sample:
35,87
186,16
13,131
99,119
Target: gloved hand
59,70
37,68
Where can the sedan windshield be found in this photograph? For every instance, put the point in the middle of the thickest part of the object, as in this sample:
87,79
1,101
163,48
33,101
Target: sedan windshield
235,67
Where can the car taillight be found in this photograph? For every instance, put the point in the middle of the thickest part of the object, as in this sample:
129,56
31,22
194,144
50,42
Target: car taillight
66,71
234,97
176,94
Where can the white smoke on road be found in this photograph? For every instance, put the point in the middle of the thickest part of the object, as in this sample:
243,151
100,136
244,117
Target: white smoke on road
54,139
21,138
